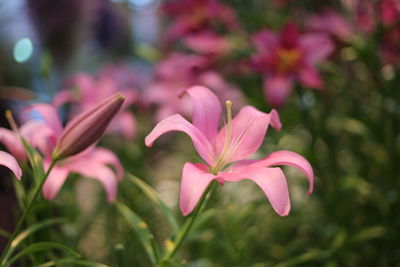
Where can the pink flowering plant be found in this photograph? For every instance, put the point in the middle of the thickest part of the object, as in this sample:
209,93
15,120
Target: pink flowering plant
226,152
290,111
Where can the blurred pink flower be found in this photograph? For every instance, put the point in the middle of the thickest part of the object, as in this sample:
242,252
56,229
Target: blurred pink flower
364,14
390,47
194,16
44,134
226,152
86,91
10,162
288,56
178,72
330,22
389,12
208,43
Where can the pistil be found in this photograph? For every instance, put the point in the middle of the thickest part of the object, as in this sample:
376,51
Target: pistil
221,159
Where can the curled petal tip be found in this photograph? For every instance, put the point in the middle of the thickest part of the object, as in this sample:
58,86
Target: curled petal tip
148,142
275,120
10,162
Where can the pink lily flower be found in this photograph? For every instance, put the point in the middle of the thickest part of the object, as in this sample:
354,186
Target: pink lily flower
10,162
389,12
44,134
92,162
288,56
227,151
364,14
330,22
89,91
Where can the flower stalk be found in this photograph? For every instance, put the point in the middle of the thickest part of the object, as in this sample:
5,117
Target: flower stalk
189,223
5,254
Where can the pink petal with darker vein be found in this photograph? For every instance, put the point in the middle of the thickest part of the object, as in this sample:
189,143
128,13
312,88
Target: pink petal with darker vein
178,123
10,162
195,179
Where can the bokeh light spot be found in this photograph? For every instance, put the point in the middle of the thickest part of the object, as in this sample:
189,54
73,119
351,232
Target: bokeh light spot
23,50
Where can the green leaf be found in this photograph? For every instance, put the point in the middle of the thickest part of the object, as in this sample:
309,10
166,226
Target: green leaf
4,233
312,255
35,159
142,230
20,193
155,198
73,261
30,230
40,246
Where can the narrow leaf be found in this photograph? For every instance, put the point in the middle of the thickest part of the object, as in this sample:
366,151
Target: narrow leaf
40,246
155,198
4,233
141,229
35,160
73,261
30,230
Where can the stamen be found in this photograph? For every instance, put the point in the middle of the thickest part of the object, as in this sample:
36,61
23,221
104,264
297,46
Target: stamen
11,121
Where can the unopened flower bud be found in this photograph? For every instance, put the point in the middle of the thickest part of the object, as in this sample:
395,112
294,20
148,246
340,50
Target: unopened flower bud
87,128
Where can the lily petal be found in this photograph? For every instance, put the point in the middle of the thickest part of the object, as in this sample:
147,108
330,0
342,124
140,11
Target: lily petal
206,111
178,123
265,41
125,124
195,179
49,115
40,136
291,159
63,97
105,156
13,143
54,181
10,162
271,180
310,77
277,88
316,47
99,172
248,131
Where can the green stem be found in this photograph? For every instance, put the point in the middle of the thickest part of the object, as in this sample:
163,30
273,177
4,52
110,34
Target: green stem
188,224
4,255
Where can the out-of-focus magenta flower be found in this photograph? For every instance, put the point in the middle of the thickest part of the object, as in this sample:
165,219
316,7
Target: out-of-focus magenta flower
169,86
44,134
390,46
194,16
11,163
226,151
87,91
87,128
288,56
389,12
364,14
330,22
208,43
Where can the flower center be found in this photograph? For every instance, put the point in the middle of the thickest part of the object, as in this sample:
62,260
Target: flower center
288,59
225,151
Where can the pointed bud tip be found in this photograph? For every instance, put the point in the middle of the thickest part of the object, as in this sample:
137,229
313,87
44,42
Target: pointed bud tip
119,95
